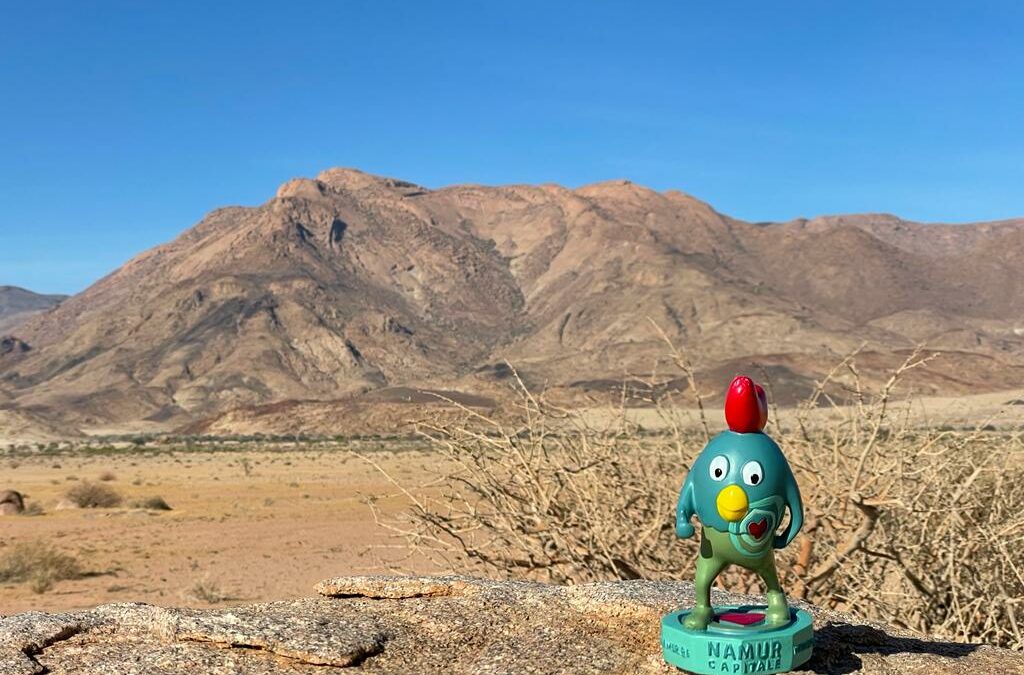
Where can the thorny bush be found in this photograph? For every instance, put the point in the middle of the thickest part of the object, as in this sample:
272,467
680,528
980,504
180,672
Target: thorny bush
917,527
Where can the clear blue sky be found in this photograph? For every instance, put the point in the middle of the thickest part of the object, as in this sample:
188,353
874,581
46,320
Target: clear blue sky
122,123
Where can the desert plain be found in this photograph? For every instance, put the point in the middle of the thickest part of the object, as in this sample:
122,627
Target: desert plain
254,521
249,523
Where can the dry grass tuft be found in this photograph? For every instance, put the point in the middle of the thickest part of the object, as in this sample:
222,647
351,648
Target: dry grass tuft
39,564
88,495
922,528
108,476
207,591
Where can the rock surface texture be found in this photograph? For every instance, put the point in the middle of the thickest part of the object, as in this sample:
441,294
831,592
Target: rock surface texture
438,625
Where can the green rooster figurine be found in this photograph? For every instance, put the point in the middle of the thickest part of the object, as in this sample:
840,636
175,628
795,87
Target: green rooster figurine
740,487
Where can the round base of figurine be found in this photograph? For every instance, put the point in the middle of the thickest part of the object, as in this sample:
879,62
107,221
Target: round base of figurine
738,641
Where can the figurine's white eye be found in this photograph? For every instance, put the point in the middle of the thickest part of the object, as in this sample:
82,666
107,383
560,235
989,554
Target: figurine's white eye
753,474
719,467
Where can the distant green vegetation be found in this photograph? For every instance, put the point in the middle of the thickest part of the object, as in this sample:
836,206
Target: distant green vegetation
152,445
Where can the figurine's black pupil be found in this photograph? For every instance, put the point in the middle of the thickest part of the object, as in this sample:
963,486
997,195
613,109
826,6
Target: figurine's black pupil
718,473
755,479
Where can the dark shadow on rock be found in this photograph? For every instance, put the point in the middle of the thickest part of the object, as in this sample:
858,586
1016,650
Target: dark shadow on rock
837,648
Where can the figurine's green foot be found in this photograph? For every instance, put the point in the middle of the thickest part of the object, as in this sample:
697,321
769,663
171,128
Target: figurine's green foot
778,610
698,618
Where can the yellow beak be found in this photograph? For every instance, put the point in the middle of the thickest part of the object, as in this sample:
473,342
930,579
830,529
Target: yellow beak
732,503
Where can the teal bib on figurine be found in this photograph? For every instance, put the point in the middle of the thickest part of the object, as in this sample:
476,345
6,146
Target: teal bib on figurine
740,487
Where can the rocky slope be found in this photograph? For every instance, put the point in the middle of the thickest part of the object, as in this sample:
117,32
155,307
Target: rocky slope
17,305
349,283
439,625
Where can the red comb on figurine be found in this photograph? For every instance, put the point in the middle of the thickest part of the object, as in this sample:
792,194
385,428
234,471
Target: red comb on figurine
746,406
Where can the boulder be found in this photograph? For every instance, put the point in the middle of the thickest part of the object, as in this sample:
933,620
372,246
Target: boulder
440,625
11,503
12,345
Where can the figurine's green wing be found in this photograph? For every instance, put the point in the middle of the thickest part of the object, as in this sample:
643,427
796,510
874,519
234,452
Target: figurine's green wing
796,514
685,509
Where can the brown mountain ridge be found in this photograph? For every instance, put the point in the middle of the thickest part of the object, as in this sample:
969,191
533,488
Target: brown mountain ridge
351,283
17,305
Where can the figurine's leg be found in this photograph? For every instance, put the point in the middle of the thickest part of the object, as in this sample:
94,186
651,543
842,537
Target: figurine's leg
708,568
778,609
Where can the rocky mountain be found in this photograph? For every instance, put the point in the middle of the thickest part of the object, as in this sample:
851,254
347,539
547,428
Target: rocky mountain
18,304
351,283
443,625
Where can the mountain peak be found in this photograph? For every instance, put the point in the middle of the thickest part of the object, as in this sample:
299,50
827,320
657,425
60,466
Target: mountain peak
344,178
351,282
341,176
19,304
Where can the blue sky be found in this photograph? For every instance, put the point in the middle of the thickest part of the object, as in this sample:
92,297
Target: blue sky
121,124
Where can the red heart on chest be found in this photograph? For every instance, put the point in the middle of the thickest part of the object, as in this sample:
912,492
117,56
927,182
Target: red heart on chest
757,529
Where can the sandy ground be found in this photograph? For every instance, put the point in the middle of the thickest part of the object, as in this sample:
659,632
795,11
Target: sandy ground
270,532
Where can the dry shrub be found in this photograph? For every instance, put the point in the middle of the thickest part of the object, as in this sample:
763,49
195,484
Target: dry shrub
88,495
33,509
153,504
39,564
108,476
542,500
920,528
